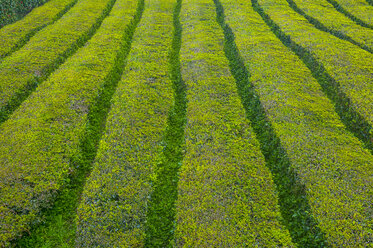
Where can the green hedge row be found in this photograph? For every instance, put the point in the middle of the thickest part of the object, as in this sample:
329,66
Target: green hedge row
322,14
13,10
41,144
346,66
14,36
160,217
328,160
28,67
357,10
227,197
114,206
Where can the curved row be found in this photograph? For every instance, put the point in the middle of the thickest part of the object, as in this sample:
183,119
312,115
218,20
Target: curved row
13,10
25,69
43,141
116,197
327,159
357,10
226,194
325,17
160,223
340,64
282,170
15,35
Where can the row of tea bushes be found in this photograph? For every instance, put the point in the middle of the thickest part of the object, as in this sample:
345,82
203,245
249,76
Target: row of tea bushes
14,36
28,67
329,161
227,197
357,10
41,143
113,211
13,10
322,13
340,66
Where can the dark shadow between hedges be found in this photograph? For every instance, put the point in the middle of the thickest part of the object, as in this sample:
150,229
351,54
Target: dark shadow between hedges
59,227
293,200
161,213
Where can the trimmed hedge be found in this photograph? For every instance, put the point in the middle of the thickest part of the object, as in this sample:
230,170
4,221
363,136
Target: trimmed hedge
115,201
322,14
13,10
227,197
25,69
43,141
14,36
337,63
333,166
357,10
160,218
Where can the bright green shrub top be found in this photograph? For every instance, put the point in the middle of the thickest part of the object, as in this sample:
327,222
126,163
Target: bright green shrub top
11,36
40,143
46,50
349,65
359,9
114,203
226,194
327,159
330,17
12,10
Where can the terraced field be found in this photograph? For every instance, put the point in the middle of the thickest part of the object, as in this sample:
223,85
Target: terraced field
185,123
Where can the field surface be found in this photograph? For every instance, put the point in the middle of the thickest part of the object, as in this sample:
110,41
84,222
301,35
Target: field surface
187,123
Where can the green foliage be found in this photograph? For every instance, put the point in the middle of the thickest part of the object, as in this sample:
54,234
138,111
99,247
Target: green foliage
160,222
127,167
14,36
293,200
12,10
262,147
227,197
357,10
43,153
339,75
322,15
28,67
327,159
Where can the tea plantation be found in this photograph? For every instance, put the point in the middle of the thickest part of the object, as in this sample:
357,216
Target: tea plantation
186,123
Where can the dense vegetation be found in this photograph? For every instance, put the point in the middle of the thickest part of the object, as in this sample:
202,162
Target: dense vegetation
12,10
186,123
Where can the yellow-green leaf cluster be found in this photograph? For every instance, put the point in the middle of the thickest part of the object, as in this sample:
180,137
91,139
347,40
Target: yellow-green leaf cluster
40,142
336,21
358,8
29,66
227,197
114,203
332,164
14,35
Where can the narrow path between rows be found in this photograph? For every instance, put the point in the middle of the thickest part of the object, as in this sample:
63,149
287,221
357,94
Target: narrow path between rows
59,228
161,212
294,205
342,10
354,122
15,36
16,91
324,28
